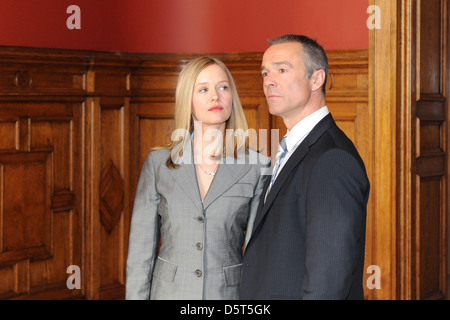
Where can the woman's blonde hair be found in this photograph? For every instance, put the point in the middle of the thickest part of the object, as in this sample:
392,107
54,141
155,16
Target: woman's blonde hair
183,111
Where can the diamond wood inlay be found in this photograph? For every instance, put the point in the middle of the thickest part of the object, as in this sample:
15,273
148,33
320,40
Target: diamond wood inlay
111,196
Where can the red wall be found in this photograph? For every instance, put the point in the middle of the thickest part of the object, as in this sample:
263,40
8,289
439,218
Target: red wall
182,25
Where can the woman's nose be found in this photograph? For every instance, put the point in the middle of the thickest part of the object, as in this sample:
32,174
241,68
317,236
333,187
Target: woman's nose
214,95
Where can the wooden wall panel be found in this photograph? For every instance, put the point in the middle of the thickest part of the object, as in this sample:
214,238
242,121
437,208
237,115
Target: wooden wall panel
8,137
257,115
108,178
41,217
77,127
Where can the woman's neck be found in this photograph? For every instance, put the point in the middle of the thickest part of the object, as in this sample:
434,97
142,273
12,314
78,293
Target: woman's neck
208,143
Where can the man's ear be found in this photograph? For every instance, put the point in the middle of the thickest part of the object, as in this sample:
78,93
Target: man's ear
317,79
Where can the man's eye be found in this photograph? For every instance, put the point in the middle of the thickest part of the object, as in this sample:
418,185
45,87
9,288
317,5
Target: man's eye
283,70
264,74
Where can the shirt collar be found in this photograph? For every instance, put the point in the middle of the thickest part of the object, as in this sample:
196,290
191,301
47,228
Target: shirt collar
299,132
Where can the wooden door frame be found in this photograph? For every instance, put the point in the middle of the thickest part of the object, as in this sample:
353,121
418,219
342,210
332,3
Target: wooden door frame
392,63
383,76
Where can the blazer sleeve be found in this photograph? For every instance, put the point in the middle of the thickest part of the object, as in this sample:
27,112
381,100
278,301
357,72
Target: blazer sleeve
144,235
335,224
263,173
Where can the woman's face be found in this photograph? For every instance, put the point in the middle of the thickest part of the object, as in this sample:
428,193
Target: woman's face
212,100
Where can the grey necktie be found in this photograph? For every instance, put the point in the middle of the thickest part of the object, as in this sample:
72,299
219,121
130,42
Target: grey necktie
282,151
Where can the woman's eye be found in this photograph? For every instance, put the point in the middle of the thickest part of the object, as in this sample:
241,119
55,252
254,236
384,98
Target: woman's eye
224,88
203,90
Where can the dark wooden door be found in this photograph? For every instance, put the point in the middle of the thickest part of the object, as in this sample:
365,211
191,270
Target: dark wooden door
429,149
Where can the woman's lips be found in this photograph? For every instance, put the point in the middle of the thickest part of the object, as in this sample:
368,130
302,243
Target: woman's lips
216,108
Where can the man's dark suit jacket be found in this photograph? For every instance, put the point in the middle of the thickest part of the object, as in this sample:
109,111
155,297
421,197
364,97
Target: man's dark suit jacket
308,237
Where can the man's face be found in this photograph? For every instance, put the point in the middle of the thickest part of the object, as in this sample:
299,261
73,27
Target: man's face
285,85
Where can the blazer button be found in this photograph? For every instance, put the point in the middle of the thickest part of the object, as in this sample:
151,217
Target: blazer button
200,219
198,273
199,246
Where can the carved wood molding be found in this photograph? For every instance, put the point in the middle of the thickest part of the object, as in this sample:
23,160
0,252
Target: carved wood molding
111,196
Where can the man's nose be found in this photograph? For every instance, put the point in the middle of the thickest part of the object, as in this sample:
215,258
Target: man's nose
269,81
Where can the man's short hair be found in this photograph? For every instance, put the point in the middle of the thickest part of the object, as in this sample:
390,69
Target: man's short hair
314,56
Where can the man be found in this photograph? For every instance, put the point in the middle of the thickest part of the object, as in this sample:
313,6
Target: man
309,233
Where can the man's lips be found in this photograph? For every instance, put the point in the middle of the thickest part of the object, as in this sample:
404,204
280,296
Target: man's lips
272,96
215,108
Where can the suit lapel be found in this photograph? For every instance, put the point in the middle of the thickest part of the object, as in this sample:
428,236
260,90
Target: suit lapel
295,159
186,176
292,162
226,176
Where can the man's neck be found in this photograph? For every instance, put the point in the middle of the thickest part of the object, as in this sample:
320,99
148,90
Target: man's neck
309,109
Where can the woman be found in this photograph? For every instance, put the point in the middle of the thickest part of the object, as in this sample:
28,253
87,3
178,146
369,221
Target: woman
198,194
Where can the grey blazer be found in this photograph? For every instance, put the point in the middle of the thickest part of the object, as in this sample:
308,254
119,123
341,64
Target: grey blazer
201,243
